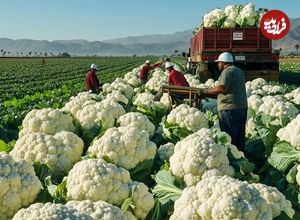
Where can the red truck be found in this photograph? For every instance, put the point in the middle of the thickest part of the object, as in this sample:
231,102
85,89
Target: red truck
251,50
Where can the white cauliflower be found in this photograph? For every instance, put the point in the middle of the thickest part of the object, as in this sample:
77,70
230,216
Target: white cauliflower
290,133
188,117
100,210
247,16
222,197
119,85
48,121
50,211
210,83
95,179
105,111
166,100
116,96
125,146
192,80
158,79
273,90
254,102
275,200
276,106
213,18
76,102
132,79
19,185
251,131
142,199
138,120
231,11
229,23
197,154
165,151
256,84
294,96
60,151
143,99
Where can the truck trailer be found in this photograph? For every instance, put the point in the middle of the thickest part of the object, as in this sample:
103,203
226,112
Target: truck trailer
251,50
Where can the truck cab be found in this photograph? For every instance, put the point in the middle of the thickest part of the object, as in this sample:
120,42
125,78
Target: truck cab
251,50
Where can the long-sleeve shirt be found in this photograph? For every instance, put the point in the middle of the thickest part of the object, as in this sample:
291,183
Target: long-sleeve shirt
176,78
91,81
145,70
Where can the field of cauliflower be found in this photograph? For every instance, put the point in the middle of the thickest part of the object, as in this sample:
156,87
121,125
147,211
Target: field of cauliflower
122,155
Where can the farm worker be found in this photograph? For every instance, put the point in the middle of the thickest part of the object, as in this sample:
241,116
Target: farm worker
146,68
175,78
91,81
231,99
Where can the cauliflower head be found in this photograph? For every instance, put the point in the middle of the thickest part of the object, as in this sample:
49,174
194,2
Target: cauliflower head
116,96
188,117
95,179
60,151
100,210
197,154
48,121
138,120
19,185
125,146
50,211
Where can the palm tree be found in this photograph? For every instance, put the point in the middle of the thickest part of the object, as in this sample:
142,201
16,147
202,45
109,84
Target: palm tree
297,48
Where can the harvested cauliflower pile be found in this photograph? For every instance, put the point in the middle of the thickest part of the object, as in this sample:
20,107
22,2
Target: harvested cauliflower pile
95,179
223,197
138,120
188,117
19,185
50,211
197,154
76,102
125,146
100,210
60,151
48,121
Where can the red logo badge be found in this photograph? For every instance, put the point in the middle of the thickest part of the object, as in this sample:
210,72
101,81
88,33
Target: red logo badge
275,24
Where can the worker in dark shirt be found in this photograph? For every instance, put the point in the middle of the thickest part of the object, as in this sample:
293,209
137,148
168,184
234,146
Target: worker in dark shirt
175,78
231,99
146,69
91,81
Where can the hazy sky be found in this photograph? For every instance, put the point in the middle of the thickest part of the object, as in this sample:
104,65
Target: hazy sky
107,19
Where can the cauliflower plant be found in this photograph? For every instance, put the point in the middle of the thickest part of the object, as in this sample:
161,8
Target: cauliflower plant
214,18
273,90
256,84
119,85
116,96
197,154
193,80
60,151
254,102
100,210
76,102
232,11
143,99
166,100
50,211
48,121
188,117
132,79
291,133
294,96
105,111
95,179
138,120
277,106
19,185
223,197
125,146
158,79
247,16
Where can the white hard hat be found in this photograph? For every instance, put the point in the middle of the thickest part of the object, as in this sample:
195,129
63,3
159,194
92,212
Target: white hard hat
147,61
168,64
225,57
94,67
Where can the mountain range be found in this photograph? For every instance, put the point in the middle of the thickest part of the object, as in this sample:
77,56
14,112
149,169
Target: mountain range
158,44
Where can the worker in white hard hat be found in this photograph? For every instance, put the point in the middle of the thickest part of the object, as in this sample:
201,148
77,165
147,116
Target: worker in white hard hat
146,69
231,99
92,83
